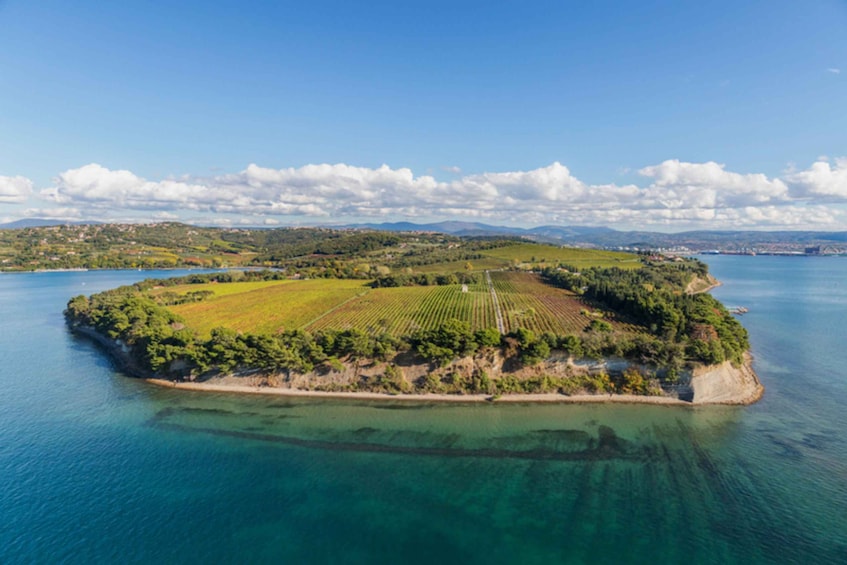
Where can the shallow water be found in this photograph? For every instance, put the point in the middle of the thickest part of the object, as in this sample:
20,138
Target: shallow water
99,467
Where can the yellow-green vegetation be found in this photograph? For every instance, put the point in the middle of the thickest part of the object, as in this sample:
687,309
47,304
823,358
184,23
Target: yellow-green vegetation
121,246
219,289
267,308
527,302
378,283
271,306
539,254
476,265
218,323
401,310
334,298
311,252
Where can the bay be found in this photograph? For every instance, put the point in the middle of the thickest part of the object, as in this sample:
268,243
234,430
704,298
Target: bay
98,467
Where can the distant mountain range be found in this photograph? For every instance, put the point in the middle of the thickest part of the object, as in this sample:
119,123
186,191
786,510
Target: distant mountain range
606,237
477,229
42,223
700,240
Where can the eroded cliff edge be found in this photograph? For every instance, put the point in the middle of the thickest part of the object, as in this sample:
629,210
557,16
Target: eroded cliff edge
559,378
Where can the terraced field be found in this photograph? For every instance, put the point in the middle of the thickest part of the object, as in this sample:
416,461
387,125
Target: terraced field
527,302
270,308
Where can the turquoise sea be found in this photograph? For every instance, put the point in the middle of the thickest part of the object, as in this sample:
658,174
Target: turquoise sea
96,467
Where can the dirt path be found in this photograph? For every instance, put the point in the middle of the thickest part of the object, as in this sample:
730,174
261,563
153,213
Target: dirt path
501,327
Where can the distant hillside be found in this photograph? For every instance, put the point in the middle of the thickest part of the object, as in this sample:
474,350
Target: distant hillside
271,245
549,234
701,240
42,223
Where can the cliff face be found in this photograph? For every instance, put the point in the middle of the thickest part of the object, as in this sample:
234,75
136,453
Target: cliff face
725,384
118,350
702,284
715,384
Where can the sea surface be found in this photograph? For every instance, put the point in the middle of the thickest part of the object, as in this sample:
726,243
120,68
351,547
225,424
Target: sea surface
96,467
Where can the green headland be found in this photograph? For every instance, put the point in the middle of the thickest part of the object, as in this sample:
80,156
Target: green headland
408,314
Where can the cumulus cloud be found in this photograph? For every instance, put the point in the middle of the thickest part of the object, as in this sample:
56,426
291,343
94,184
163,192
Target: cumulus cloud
53,213
96,185
14,190
674,194
820,180
708,185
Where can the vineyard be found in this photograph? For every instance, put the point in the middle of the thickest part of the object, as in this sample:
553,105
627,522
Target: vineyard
315,304
269,308
528,302
477,265
548,254
399,311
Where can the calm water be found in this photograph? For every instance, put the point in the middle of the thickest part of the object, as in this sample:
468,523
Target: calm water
97,467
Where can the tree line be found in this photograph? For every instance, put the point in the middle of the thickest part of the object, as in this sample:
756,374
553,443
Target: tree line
654,297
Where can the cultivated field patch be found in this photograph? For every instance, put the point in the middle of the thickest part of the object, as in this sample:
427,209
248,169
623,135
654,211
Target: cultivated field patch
402,310
547,254
284,305
220,289
527,302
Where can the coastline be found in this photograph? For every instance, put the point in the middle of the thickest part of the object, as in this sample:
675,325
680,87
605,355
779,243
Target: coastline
432,397
694,287
709,385
725,384
749,390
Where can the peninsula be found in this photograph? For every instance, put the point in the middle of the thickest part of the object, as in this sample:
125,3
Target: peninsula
426,316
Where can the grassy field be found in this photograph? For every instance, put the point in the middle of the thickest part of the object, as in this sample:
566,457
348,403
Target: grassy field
221,289
269,308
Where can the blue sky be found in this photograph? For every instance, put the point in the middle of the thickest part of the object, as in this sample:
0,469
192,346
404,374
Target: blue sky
664,115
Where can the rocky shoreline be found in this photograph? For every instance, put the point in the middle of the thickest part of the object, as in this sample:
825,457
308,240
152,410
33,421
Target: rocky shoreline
706,385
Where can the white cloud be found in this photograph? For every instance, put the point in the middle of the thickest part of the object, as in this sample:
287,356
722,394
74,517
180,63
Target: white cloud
675,194
834,71
97,185
820,180
53,213
14,190
707,185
